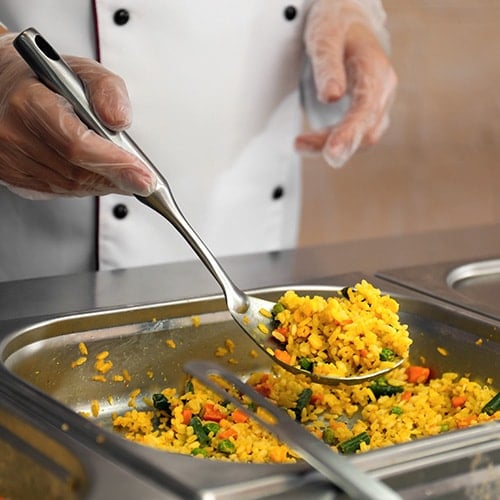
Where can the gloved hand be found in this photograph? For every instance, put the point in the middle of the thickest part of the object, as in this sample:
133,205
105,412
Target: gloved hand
347,57
45,150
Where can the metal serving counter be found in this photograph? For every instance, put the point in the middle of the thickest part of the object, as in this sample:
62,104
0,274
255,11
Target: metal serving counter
90,291
72,457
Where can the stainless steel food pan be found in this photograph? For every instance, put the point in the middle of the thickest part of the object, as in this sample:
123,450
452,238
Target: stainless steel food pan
41,457
37,363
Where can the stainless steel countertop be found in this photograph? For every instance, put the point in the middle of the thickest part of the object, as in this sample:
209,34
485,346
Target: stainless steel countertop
152,284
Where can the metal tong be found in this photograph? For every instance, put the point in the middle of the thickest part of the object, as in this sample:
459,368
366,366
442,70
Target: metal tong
355,482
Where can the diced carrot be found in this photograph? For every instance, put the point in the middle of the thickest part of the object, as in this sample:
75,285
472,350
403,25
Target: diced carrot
282,356
335,425
227,433
239,416
458,401
186,415
417,374
263,388
406,396
346,321
316,432
317,398
363,353
462,423
283,330
210,412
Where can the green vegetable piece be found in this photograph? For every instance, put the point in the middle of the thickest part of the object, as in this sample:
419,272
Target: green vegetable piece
306,364
226,446
155,422
211,427
380,387
160,402
302,401
444,428
492,406
352,445
329,437
278,307
387,354
199,451
397,410
252,406
200,433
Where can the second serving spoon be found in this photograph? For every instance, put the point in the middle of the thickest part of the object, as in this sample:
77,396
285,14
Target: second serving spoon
56,74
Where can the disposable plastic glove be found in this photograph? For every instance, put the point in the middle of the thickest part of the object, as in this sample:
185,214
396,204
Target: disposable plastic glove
46,151
344,44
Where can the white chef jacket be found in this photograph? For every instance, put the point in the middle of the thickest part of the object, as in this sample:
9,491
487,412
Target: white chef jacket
214,87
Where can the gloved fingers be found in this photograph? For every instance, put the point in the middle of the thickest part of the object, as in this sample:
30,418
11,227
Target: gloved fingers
372,81
43,144
342,142
312,142
371,84
102,157
34,175
54,122
107,92
325,48
363,126
339,143
29,194
328,25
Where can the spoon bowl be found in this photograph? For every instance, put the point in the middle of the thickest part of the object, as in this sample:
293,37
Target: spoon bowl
256,323
56,74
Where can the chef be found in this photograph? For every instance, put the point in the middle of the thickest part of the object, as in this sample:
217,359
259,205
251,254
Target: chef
217,90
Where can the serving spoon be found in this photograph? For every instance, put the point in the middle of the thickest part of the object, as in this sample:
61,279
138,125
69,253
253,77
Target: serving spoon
248,311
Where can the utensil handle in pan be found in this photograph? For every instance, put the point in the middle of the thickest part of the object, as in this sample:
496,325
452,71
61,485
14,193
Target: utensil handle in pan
356,483
55,73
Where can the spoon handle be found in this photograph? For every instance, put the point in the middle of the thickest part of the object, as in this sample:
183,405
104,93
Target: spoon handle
55,73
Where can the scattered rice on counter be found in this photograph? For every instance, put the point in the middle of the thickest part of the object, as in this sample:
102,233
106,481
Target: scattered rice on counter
95,408
405,405
83,349
126,376
170,343
78,362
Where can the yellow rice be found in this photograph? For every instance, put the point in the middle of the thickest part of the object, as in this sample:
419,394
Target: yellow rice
342,335
427,412
419,409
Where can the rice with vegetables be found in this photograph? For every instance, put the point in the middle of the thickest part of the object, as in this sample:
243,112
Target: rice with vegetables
390,411
354,331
